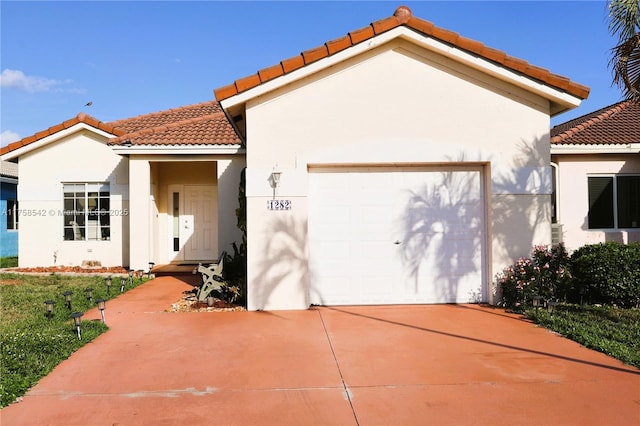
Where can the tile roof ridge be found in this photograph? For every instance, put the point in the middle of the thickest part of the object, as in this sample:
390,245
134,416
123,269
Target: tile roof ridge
165,111
403,16
164,127
588,120
80,118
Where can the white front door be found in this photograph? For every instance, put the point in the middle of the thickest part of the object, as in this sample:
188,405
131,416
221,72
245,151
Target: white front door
396,235
194,222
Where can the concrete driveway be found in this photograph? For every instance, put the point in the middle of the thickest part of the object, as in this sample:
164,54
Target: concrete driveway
395,365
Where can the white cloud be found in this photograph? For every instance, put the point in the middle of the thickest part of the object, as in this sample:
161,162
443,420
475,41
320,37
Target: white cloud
16,79
7,136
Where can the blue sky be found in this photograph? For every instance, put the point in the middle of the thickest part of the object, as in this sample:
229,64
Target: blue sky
132,58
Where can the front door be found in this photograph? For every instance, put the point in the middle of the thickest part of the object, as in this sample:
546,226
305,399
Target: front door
194,224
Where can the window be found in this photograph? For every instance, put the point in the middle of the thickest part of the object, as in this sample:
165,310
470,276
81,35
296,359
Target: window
86,211
614,202
12,215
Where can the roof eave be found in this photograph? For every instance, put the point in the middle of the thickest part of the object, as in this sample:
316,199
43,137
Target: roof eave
560,100
631,148
178,149
18,152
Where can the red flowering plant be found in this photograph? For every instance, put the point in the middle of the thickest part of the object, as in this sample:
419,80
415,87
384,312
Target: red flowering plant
544,274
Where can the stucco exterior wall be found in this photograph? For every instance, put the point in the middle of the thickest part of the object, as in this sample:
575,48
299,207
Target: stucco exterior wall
79,157
395,104
573,196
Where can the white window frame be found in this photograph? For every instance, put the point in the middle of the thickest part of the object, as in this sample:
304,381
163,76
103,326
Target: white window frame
614,178
83,229
12,215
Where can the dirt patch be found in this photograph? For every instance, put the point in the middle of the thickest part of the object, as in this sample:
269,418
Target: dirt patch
9,282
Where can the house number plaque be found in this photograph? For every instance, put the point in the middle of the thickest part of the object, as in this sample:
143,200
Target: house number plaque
279,205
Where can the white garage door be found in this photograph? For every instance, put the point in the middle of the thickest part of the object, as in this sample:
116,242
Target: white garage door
392,235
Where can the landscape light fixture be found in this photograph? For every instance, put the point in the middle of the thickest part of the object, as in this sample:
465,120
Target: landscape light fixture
151,265
102,304
210,301
123,282
131,271
67,297
76,321
89,293
582,291
537,301
107,282
48,305
551,306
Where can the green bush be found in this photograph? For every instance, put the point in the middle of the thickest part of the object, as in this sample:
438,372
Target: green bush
235,275
606,273
8,262
544,274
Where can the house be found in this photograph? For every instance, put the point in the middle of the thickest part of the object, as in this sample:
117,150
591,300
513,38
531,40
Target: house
400,163
9,209
596,159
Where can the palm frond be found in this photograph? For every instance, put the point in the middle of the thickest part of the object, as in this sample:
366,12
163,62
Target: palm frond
624,18
625,63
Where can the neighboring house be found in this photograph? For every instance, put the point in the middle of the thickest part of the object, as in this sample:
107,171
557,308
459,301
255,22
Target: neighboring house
597,163
401,163
9,209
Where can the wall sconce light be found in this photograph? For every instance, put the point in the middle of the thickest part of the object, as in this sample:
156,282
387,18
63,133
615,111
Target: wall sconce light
107,282
274,178
89,293
48,305
76,321
102,304
123,282
67,298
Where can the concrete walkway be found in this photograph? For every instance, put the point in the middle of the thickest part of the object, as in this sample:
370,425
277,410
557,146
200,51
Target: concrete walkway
397,365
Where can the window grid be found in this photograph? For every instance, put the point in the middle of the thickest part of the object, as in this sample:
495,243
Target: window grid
86,211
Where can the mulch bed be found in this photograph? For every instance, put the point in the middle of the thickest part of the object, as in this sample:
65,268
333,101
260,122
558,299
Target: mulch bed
189,303
73,269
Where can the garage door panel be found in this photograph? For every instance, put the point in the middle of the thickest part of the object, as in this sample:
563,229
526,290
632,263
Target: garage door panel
421,234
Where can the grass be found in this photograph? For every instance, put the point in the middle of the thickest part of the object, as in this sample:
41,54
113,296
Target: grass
610,330
33,345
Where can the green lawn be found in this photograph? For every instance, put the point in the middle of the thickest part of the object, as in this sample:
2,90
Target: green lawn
613,331
32,344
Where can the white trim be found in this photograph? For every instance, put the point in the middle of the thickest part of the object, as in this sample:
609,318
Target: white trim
556,186
631,148
564,100
178,149
52,138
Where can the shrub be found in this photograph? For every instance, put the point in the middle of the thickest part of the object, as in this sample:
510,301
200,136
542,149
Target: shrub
607,273
544,273
234,274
